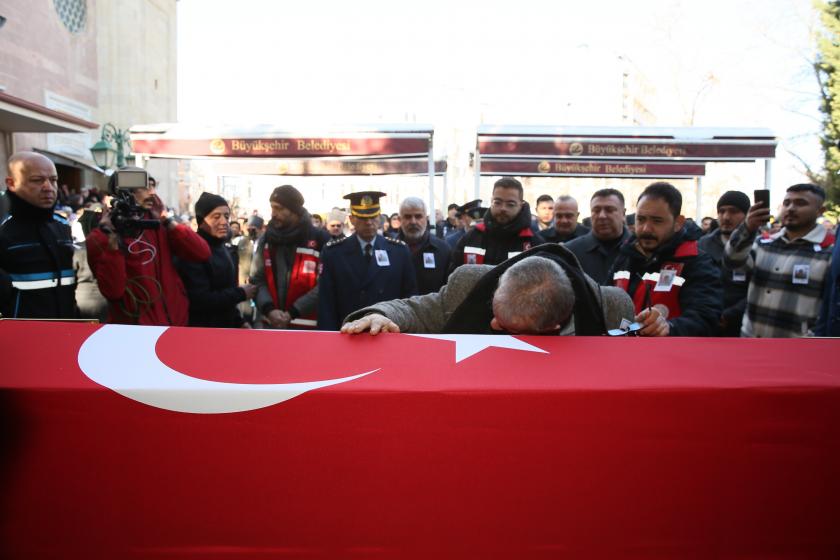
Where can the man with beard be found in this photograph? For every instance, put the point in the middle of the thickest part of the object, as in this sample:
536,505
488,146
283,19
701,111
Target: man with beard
566,226
430,255
675,288
286,261
505,232
732,208
364,268
789,268
213,287
598,249
135,270
37,279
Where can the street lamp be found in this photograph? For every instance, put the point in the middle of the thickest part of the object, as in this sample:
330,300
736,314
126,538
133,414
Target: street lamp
112,145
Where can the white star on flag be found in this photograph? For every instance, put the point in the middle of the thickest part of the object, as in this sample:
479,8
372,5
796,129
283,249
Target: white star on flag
468,344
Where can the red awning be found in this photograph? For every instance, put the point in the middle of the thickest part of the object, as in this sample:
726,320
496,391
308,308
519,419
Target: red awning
586,168
623,143
184,141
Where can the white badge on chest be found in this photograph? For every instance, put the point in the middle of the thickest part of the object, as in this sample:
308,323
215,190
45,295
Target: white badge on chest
382,258
428,260
666,280
801,273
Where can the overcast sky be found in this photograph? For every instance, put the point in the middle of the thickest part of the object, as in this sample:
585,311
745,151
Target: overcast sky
452,64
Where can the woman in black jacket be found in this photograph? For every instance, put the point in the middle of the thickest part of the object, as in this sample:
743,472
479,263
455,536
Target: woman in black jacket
212,286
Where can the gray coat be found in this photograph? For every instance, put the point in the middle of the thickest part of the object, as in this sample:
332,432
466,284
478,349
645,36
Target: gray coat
429,313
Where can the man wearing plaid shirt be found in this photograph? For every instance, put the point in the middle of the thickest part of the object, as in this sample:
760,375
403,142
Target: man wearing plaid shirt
789,268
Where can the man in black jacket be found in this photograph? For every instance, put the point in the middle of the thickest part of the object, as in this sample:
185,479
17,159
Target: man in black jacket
675,287
429,254
732,209
505,232
37,279
598,249
212,287
286,262
566,226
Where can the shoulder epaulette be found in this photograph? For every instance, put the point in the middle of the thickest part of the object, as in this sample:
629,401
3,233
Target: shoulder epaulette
394,241
333,242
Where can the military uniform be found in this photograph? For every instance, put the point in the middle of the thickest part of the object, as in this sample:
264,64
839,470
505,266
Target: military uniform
351,279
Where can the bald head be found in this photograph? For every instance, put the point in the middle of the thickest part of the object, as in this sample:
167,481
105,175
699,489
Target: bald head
33,178
565,215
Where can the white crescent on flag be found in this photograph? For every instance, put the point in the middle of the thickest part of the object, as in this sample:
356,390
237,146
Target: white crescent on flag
123,358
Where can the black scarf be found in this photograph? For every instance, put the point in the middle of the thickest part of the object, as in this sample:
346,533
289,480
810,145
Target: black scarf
511,229
476,311
290,235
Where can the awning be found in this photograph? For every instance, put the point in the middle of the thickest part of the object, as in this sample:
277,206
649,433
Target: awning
584,168
623,143
71,161
20,115
265,141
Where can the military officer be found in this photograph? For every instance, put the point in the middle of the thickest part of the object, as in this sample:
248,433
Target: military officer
364,268
468,214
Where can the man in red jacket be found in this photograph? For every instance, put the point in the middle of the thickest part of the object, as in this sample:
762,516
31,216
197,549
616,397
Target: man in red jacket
134,267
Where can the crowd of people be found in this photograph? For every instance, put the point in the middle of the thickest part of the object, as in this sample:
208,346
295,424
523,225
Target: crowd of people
482,270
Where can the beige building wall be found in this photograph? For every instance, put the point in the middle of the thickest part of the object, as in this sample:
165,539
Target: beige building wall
113,59
138,72
41,54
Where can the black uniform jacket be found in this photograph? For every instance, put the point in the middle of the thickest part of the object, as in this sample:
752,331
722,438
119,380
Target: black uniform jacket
497,241
700,295
37,278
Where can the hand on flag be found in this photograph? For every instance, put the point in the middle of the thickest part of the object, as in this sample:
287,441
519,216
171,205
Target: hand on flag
375,323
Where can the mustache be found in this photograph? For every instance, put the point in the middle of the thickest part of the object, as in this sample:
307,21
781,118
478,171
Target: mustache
647,236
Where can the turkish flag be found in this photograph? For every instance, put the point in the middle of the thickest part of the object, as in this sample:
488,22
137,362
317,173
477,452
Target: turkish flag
489,446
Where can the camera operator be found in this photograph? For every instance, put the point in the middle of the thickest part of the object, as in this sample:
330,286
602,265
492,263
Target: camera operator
131,254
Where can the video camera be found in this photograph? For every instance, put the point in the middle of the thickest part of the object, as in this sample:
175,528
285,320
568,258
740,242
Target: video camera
126,215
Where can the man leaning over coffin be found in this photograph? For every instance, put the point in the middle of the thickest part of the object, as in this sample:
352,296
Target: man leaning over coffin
541,291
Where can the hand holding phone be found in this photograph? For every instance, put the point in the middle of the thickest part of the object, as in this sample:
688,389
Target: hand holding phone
759,213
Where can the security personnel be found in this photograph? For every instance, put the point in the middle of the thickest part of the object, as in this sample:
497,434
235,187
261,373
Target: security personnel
430,255
362,269
505,232
675,287
37,279
467,214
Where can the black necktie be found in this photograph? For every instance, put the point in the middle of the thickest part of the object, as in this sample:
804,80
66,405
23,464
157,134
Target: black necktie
368,251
